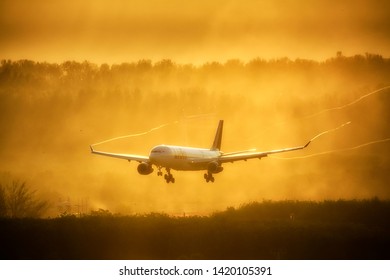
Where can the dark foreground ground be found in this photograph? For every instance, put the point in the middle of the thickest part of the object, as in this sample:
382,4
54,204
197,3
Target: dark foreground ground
267,230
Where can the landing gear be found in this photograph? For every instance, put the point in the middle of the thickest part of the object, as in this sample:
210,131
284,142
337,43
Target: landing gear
168,177
209,177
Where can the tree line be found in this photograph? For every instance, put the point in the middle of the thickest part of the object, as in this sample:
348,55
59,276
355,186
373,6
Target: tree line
43,75
21,72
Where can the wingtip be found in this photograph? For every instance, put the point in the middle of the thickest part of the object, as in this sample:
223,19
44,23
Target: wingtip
307,144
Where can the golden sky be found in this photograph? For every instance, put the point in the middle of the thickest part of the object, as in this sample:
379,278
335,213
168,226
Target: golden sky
115,31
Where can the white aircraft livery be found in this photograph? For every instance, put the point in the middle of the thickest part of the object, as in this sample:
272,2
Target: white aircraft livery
191,159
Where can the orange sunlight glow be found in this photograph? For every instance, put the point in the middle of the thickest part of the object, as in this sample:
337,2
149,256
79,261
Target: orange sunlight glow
195,32
143,73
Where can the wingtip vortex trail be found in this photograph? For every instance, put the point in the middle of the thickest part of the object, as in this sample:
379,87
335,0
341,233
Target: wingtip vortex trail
330,130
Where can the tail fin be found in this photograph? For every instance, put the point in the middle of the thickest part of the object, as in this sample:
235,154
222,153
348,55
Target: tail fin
218,137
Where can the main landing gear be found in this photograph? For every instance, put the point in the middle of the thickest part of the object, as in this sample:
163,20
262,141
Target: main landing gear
209,177
168,177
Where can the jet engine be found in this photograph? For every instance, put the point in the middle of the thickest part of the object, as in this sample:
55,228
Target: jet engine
144,168
214,167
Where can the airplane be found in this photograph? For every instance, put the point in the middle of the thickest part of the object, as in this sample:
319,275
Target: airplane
191,159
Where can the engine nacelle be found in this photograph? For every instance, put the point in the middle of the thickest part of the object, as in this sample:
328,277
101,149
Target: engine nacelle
214,167
144,168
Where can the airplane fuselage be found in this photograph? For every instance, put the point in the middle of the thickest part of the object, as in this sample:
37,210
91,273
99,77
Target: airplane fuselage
182,158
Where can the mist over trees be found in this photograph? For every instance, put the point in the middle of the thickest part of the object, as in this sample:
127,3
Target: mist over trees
52,77
50,113
52,95
82,82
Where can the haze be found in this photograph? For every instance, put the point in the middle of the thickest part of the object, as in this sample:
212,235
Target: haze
192,32
96,70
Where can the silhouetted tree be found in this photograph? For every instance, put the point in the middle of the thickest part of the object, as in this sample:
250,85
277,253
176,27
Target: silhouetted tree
18,201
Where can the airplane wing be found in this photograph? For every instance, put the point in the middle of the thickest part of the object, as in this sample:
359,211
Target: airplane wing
231,157
128,157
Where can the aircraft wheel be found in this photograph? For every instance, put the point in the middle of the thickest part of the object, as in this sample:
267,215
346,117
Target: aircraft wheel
209,177
169,178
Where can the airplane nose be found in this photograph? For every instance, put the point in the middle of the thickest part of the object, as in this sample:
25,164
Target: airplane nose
158,153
